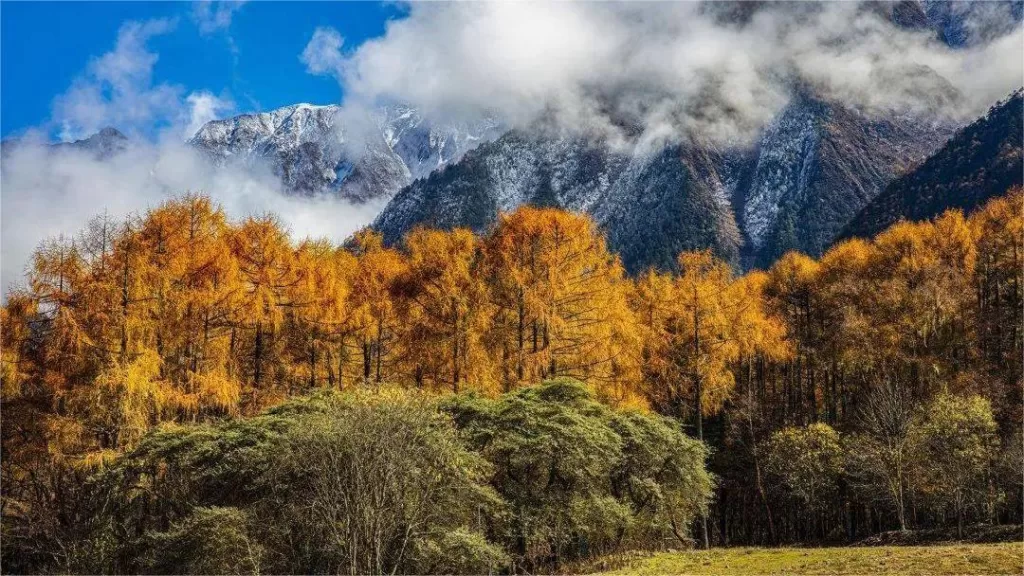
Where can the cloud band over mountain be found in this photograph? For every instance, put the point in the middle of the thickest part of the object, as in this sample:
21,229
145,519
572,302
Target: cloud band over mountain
675,70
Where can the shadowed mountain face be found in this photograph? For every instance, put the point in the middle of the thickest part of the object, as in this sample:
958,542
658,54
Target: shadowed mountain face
980,161
814,168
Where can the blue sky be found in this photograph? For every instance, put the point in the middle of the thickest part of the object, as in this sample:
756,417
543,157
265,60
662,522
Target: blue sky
251,58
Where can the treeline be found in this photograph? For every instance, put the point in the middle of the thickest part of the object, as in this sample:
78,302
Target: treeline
183,316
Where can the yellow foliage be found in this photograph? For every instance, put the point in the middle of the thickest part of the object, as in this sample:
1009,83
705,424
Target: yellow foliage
182,315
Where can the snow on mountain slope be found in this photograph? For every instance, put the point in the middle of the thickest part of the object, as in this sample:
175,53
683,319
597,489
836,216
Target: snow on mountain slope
313,152
786,149
817,165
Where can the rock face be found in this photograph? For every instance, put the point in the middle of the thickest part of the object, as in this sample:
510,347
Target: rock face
979,162
651,205
313,152
815,167
516,169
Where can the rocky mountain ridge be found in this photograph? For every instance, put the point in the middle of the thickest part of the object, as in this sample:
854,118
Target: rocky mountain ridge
313,150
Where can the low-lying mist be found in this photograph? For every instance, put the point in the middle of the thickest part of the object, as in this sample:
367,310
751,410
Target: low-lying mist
48,191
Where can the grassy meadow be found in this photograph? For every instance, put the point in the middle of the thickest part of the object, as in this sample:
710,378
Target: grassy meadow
1001,558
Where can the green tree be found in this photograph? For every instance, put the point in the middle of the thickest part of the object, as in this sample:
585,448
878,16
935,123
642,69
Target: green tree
208,541
958,443
808,462
580,478
354,483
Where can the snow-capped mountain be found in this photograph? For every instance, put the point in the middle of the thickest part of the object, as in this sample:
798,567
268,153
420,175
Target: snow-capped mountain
101,145
313,150
815,167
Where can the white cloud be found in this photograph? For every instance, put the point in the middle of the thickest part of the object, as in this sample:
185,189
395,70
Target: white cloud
117,88
672,69
322,54
46,192
204,107
213,17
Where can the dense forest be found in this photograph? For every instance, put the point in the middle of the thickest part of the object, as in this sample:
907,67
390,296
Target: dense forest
184,393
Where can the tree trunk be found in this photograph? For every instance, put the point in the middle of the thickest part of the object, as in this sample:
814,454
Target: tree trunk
522,336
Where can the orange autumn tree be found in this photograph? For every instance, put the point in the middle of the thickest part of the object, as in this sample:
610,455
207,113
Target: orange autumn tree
267,276
75,428
792,296
446,309
920,277
845,338
562,303
193,281
318,317
692,324
998,229
374,315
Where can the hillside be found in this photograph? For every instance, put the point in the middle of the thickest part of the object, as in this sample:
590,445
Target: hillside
982,160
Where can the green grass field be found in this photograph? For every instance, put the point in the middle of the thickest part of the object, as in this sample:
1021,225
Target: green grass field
1005,558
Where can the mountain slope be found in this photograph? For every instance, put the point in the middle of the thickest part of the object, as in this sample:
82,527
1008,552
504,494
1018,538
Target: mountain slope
101,145
312,150
814,168
666,203
980,161
650,205
516,169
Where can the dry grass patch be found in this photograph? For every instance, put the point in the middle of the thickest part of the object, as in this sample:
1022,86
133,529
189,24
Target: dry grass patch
1003,558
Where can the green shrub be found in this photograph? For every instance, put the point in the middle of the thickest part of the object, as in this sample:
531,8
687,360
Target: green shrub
395,481
208,541
578,477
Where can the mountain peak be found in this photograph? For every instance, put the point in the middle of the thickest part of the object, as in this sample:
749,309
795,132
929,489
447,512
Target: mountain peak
109,133
312,152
